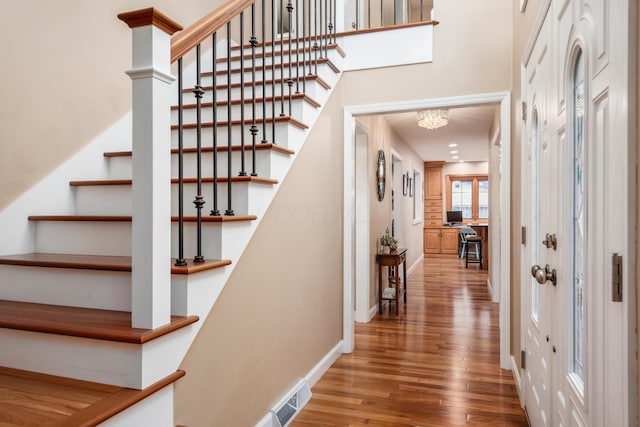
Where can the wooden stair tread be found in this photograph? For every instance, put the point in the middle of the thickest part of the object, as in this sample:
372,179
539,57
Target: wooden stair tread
294,50
247,122
249,100
88,262
277,66
107,325
189,180
53,401
223,148
308,77
127,218
100,262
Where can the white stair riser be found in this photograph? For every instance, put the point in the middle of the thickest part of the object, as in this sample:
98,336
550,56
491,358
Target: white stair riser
108,290
121,364
311,87
117,199
297,56
285,135
321,69
83,238
155,410
300,110
266,161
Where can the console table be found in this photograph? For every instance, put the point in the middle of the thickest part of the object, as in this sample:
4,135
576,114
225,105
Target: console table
393,259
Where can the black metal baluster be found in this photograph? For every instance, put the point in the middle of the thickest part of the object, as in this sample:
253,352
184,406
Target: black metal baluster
289,80
242,172
180,261
254,129
199,200
229,210
215,211
304,48
281,58
315,35
309,37
421,11
395,13
381,13
297,8
369,13
331,32
325,28
273,71
320,27
264,73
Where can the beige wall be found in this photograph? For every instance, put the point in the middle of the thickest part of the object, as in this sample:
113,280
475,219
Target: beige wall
65,83
523,24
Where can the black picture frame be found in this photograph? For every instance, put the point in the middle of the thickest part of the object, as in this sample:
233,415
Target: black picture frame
410,186
405,183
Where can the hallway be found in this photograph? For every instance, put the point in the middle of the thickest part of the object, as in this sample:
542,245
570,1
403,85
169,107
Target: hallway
437,364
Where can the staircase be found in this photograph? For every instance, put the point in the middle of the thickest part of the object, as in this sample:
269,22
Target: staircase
66,308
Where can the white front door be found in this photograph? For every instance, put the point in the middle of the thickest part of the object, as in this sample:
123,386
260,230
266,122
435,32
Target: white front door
578,205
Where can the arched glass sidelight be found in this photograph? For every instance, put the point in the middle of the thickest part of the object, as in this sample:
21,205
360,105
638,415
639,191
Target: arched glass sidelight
578,218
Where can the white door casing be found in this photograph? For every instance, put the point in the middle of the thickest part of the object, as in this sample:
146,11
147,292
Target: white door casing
600,176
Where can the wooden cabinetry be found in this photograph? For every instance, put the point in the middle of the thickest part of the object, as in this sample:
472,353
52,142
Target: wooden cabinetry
433,181
441,240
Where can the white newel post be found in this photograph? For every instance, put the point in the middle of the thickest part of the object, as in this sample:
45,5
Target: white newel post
151,227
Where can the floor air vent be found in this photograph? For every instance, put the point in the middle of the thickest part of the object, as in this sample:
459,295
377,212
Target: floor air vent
287,409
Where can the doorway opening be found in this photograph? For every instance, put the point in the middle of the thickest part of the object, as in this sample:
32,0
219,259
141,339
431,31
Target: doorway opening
502,246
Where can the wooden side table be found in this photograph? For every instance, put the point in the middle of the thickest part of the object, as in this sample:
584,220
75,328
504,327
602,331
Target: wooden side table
393,259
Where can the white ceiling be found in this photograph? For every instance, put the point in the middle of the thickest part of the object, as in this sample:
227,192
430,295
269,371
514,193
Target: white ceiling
468,127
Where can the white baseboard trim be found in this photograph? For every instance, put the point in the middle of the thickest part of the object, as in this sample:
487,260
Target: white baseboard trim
415,265
312,378
373,311
518,379
321,367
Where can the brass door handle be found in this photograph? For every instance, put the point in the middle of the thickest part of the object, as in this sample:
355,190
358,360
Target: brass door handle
544,275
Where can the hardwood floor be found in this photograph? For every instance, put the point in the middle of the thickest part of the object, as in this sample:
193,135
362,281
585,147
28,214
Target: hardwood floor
436,364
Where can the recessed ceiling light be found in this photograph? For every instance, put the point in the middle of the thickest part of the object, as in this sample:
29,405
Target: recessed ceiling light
454,157
453,145
454,151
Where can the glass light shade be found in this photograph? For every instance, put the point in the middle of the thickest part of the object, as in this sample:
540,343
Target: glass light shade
433,119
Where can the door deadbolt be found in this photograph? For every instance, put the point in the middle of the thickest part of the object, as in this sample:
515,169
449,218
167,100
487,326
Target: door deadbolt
544,275
550,241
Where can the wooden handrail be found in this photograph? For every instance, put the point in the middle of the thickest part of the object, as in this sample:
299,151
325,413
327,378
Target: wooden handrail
204,27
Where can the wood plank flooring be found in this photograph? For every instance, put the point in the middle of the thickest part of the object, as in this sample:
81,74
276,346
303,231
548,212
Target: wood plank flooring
436,364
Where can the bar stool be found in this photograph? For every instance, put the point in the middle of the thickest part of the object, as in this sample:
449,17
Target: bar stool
473,256
462,240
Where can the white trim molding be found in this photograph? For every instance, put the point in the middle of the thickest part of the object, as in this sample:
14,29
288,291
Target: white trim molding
502,98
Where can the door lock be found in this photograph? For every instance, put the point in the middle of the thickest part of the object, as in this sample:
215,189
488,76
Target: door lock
550,241
544,275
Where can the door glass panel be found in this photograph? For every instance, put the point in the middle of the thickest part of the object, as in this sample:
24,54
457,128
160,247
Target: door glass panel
578,190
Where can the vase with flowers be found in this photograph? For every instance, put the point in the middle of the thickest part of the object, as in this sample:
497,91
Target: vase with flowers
388,242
